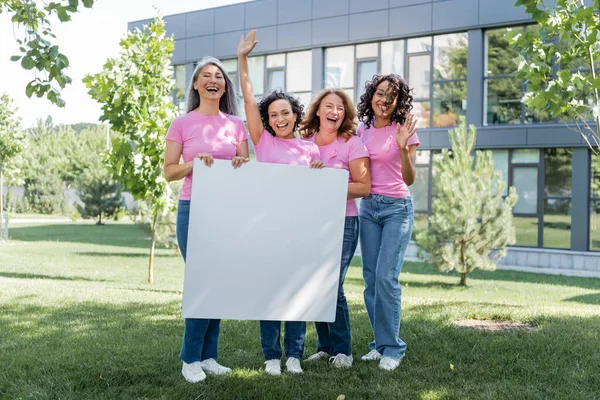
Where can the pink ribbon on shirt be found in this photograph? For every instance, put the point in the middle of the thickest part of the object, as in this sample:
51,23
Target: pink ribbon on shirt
387,144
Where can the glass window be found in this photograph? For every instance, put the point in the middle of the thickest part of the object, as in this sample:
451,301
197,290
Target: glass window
525,180
392,57
419,45
595,225
299,71
365,71
419,75
499,54
304,98
521,156
275,79
450,56
339,67
557,223
368,50
256,66
526,229
275,60
180,82
449,103
419,190
558,171
422,157
500,158
595,176
421,110
503,101
231,69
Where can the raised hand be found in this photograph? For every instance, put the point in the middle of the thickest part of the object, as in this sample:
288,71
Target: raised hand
405,131
247,45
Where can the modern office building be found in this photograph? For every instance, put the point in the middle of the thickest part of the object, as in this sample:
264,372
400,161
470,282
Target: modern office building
454,55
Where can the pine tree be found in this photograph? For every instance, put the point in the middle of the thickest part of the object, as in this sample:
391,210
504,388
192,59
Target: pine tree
100,196
8,200
471,221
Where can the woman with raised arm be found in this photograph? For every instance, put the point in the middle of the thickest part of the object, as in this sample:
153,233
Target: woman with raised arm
210,129
330,124
388,130
272,124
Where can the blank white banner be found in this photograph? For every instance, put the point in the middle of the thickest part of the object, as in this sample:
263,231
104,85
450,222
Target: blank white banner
264,242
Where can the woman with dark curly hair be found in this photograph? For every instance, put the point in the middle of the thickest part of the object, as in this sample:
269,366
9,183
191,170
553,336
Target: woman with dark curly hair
330,125
272,125
388,130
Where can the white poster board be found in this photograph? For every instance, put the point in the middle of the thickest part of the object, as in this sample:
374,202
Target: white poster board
264,242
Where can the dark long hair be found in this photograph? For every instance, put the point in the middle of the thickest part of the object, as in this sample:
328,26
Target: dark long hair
311,123
399,90
278,94
228,102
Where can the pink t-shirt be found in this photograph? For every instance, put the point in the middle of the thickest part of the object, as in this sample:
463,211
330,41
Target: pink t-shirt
217,135
386,166
338,154
271,149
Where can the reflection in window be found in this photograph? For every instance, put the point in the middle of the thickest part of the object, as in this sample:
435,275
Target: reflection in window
500,158
256,66
299,71
557,223
365,71
450,56
275,60
503,101
525,181
419,75
449,103
419,45
526,229
595,225
421,110
522,156
558,172
339,67
499,54
180,82
419,190
275,79
392,57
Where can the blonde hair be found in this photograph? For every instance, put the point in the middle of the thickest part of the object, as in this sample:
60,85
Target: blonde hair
311,122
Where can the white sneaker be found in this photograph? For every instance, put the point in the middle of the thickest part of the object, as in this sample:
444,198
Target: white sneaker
273,367
293,365
318,356
212,367
388,363
371,356
342,361
193,372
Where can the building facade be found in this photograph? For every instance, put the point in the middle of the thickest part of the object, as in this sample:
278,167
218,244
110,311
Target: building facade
454,55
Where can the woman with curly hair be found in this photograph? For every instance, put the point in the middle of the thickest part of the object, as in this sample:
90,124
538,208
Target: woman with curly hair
272,125
330,125
388,130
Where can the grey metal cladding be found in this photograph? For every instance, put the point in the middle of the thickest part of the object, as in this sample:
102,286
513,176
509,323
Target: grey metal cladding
553,136
198,47
425,139
267,40
261,13
329,8
410,20
226,44
175,24
439,139
229,18
330,30
200,23
402,3
294,11
179,56
138,24
495,137
357,6
294,35
448,15
495,12
369,25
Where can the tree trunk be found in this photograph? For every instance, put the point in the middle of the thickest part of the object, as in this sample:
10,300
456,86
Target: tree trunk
99,219
463,260
151,263
463,279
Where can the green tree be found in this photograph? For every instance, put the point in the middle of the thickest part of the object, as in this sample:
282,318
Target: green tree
12,143
34,36
99,194
135,91
560,60
471,222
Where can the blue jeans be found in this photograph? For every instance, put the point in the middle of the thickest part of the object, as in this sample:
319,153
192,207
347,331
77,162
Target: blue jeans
385,227
200,336
334,337
293,341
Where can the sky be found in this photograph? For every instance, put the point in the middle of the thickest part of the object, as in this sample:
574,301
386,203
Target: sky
88,40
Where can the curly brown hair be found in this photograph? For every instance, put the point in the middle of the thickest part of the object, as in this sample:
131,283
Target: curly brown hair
311,122
399,90
278,94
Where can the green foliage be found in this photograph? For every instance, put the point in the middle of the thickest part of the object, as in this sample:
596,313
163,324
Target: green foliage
99,194
45,191
8,200
12,141
559,60
471,222
34,36
19,206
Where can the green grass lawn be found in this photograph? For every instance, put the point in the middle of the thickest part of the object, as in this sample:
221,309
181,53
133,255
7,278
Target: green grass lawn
78,321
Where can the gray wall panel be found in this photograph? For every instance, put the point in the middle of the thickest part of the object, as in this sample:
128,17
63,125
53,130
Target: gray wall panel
369,25
229,18
501,137
357,6
475,78
318,61
198,47
179,56
438,139
495,12
425,139
226,44
294,11
330,30
580,221
552,136
410,20
175,24
261,13
329,8
138,24
402,3
200,23
294,35
267,40
455,14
